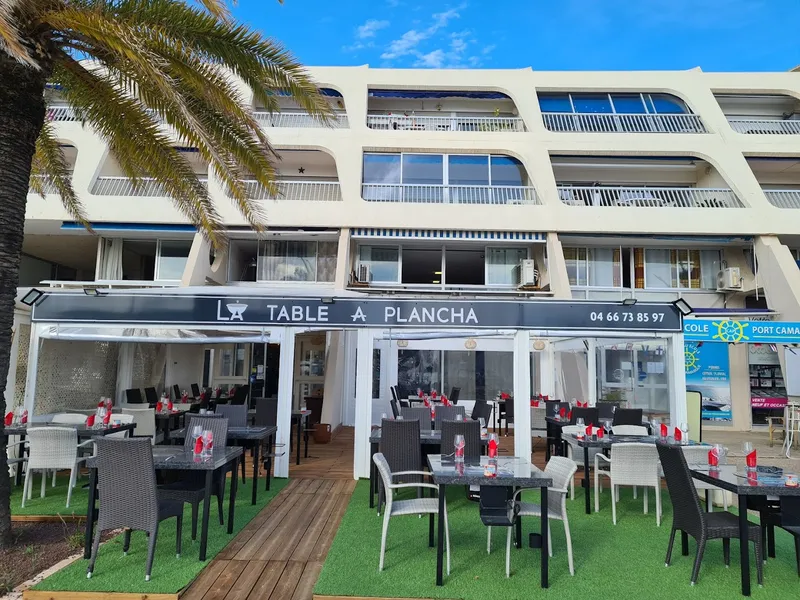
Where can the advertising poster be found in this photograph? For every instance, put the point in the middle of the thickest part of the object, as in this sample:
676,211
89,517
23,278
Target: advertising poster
707,372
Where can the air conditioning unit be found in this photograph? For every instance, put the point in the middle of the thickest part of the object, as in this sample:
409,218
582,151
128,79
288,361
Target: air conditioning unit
525,273
364,275
729,279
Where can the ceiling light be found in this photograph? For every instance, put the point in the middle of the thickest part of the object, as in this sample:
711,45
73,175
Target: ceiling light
683,307
93,292
629,302
32,297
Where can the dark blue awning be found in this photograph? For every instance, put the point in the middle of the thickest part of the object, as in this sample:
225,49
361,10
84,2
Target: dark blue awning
430,94
325,92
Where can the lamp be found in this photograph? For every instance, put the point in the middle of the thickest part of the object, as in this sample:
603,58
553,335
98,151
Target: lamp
328,300
683,307
629,301
32,297
93,292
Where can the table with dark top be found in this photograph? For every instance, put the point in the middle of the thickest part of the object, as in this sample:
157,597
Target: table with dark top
298,418
246,434
427,437
167,421
556,424
512,472
176,458
737,482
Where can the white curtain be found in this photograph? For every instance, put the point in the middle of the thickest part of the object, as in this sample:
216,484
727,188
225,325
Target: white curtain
111,265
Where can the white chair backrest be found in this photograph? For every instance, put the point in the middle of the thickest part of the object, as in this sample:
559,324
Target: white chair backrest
145,419
629,430
561,469
538,417
634,463
69,419
52,447
697,455
572,429
83,411
124,420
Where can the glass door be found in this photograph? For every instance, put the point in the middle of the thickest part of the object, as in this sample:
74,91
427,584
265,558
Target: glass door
309,380
264,370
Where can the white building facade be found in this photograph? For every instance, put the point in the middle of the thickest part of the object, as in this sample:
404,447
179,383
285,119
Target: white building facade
495,185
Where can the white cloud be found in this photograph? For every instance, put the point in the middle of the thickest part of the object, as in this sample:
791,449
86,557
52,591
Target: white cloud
368,29
431,60
488,49
407,43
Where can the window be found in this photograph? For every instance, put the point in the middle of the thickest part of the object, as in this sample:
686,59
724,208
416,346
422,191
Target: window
507,171
442,169
500,264
594,267
296,261
680,268
612,104
383,262
232,359
468,170
589,104
555,103
172,258
381,168
628,104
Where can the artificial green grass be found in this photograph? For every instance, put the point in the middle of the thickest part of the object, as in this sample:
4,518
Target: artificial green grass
55,500
610,561
114,572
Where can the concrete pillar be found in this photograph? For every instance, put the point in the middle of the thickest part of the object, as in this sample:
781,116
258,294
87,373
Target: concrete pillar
522,394
677,381
285,385
334,379
363,416
342,260
591,367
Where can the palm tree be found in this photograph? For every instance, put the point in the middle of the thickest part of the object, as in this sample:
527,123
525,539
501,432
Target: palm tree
127,67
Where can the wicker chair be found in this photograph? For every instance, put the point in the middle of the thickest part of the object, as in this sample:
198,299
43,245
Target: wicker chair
267,416
629,430
576,454
69,419
237,417
790,521
699,455
125,472
151,395
562,470
124,419
688,517
538,424
395,408
191,488
633,464
471,430
590,416
627,416
417,413
145,419
505,412
447,413
400,445
415,506
195,390
481,410
240,395
605,410
52,449
134,396
455,392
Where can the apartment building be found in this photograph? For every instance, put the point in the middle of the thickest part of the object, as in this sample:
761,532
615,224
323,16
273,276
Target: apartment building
497,185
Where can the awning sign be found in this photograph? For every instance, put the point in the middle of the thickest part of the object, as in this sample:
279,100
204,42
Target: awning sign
735,331
181,309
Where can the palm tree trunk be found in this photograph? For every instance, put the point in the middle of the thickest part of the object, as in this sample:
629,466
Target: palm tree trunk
21,116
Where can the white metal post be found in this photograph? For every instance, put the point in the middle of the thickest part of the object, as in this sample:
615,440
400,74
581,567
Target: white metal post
547,368
33,368
678,411
124,372
522,394
285,387
363,416
591,368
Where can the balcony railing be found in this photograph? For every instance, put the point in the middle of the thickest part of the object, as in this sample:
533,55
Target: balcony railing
47,184
650,197
298,119
449,194
445,123
307,191
124,186
765,126
110,284
623,123
783,198
60,113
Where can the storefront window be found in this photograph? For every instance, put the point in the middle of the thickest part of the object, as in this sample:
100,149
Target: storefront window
594,267
500,264
232,359
768,395
681,269
635,375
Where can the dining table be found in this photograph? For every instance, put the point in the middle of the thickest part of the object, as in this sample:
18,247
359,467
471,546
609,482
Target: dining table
176,458
512,472
764,481
246,436
299,418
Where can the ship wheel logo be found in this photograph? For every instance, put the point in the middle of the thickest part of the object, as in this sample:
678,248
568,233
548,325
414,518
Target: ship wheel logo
730,331
691,357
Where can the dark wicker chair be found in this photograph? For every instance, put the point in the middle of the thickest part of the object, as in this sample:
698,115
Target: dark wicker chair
176,392
195,390
395,408
190,489
404,403
134,396
151,395
589,415
418,413
237,417
505,412
628,416
393,391
125,472
689,517
471,430
447,413
455,392
481,410
400,444
790,521
605,410
240,395
267,416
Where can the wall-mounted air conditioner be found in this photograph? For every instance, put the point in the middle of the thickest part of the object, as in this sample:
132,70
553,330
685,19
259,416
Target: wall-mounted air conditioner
729,279
525,273
363,275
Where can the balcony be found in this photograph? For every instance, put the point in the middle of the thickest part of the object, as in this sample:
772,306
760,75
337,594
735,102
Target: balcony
449,194
125,186
779,178
298,120
761,114
60,113
306,191
648,197
623,123
764,126
783,198
445,123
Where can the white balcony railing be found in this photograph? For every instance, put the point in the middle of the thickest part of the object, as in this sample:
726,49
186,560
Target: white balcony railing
651,197
47,184
445,123
109,284
622,123
60,113
783,198
124,186
308,191
298,119
449,194
765,126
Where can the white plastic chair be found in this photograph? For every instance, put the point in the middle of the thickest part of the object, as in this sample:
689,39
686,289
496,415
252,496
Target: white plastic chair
698,455
576,454
123,420
145,419
562,470
52,449
629,430
416,506
68,419
631,464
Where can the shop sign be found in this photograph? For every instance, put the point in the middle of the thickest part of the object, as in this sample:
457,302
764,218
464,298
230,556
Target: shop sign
737,331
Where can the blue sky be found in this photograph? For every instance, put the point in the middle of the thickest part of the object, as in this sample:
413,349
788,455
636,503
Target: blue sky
716,35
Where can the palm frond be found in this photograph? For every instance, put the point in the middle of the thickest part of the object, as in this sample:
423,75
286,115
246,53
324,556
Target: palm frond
11,39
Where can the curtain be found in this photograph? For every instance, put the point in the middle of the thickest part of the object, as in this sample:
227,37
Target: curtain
111,265
638,267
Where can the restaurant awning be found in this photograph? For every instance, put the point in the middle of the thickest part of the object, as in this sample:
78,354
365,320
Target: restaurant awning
154,335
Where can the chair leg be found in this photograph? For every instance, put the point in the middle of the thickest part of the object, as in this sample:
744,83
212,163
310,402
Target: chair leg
243,469
95,548
179,536
447,538
194,522
126,542
220,510
726,551
26,487
569,543
636,494
508,552
759,562
596,487
770,541
701,548
72,477
646,499
550,542
797,552
54,478
151,551
489,540
658,505
44,482
383,539
614,498
669,547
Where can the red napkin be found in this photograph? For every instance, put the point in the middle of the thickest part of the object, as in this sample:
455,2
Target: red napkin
9,418
562,412
664,430
504,396
101,404
107,419
600,433
535,403
231,392
433,394
425,402
219,392
159,406
751,460
546,398
420,394
24,417
678,435
90,421
569,416
170,406
184,397
198,445
713,458
492,449
589,430
445,401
